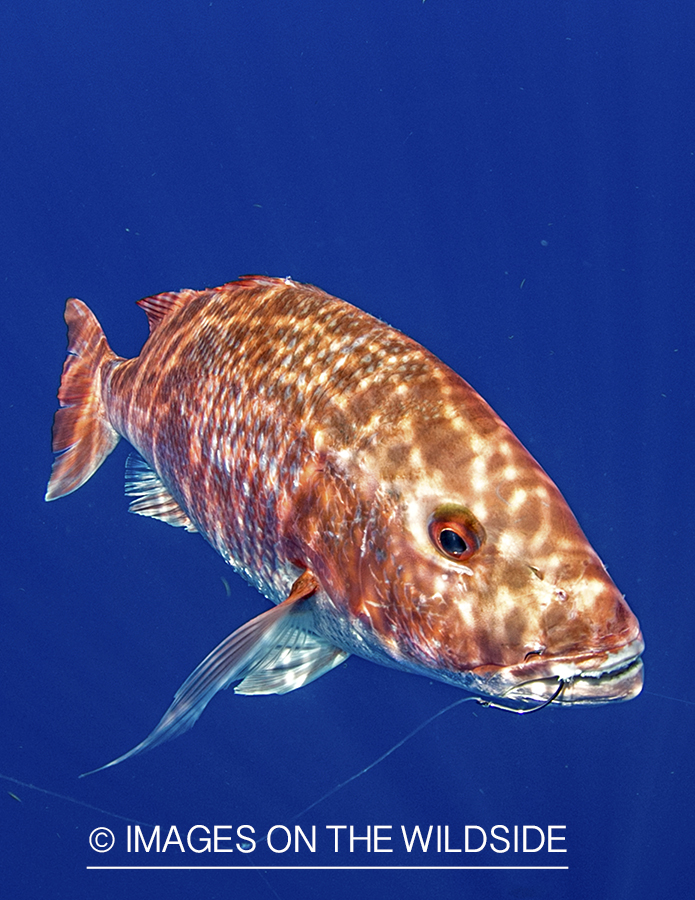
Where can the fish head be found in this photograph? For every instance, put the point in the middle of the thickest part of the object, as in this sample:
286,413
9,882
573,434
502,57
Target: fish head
507,591
463,561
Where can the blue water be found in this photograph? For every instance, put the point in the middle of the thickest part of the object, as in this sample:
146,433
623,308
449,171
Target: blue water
509,183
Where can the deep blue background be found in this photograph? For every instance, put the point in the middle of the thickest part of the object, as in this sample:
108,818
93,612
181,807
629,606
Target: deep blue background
509,183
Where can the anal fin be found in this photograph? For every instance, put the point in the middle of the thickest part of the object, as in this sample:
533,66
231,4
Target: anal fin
275,652
151,496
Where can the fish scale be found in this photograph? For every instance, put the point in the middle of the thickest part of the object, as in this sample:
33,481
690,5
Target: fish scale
359,484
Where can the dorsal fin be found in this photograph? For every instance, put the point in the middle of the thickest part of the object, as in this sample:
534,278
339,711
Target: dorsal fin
257,281
152,498
160,306
249,282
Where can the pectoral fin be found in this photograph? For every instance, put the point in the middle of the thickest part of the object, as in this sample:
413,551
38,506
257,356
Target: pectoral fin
272,654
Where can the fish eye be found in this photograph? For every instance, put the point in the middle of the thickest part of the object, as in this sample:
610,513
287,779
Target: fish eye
455,532
452,543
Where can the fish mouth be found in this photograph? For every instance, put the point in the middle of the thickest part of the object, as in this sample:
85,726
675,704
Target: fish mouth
605,677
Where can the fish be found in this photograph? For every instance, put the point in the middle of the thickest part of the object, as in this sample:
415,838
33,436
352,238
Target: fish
360,485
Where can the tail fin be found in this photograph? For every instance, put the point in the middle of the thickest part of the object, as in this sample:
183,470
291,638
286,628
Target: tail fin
82,434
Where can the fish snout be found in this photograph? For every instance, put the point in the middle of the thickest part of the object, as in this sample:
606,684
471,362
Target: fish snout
589,639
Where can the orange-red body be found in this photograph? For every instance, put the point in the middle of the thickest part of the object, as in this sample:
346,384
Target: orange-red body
357,482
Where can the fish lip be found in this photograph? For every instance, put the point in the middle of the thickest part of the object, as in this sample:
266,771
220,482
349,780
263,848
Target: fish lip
602,677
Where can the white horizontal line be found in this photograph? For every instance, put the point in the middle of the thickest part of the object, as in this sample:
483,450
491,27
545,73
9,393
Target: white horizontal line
346,868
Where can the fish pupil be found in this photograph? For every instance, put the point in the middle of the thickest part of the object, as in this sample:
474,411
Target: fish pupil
452,542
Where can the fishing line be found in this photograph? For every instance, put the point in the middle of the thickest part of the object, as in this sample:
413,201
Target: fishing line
562,684
330,793
675,699
338,787
333,790
33,787
379,759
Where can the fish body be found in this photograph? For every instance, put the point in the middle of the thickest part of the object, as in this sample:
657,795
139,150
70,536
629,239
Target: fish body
358,483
